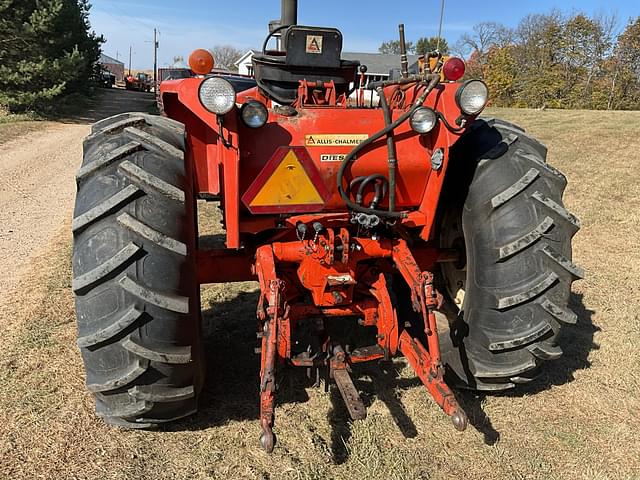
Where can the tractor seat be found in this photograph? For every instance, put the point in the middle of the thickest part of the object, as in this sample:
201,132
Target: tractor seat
312,54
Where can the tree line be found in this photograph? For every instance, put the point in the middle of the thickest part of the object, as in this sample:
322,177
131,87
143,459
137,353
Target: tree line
422,46
47,50
552,60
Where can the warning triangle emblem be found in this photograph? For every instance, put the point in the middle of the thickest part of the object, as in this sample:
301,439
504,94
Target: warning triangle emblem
289,182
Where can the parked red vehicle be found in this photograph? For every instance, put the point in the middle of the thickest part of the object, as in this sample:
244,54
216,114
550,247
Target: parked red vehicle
140,82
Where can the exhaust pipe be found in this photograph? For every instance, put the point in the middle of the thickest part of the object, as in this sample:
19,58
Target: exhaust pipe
289,12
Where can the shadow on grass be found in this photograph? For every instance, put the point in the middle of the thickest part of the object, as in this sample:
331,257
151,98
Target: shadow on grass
576,342
377,380
231,390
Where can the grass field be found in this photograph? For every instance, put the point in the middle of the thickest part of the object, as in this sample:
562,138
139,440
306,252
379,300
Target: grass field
578,421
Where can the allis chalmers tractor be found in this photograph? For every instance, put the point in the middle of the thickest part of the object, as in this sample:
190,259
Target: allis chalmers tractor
400,226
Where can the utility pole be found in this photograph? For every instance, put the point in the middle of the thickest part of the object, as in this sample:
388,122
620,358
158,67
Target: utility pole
130,50
155,59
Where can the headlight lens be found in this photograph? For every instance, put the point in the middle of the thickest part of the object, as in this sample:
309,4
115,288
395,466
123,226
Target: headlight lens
472,97
217,95
423,120
254,114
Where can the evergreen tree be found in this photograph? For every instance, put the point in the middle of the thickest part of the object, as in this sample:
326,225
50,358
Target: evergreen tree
393,47
428,45
46,50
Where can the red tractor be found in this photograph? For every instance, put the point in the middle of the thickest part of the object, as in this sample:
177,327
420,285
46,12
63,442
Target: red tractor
401,226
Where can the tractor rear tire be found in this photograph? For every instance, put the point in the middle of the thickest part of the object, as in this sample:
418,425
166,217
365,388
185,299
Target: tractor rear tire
505,202
136,293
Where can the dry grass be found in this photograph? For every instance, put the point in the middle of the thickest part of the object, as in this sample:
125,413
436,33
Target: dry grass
13,127
581,423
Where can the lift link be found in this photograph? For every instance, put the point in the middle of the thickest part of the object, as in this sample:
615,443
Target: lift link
426,362
268,364
272,319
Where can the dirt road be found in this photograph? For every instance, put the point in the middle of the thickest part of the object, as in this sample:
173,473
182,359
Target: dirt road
37,182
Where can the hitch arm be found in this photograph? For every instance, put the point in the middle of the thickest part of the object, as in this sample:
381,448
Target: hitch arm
272,316
426,362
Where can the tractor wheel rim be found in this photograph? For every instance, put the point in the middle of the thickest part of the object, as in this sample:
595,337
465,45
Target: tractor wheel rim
454,273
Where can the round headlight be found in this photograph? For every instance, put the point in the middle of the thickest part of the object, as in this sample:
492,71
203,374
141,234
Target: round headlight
472,97
254,114
217,95
423,120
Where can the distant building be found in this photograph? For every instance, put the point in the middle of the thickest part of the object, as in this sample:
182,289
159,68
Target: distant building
114,66
380,66
245,64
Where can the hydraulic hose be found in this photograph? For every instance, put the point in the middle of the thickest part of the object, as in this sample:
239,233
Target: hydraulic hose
417,78
391,151
430,81
376,177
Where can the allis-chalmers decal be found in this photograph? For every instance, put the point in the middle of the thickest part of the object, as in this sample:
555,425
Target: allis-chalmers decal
335,140
314,44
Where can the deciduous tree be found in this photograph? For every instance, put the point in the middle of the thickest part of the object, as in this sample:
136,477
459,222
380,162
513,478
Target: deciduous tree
625,69
557,60
226,56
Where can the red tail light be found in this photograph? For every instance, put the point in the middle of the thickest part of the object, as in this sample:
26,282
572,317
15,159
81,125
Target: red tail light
453,69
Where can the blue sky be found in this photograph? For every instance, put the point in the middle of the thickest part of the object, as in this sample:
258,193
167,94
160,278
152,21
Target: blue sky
189,24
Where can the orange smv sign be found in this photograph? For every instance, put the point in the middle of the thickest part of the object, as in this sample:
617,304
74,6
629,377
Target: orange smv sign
289,183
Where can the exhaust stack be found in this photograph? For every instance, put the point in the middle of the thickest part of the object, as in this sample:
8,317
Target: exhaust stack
289,12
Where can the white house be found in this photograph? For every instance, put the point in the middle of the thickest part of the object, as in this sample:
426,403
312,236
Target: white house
244,63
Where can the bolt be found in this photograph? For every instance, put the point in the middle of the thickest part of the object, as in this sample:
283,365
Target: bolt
337,297
257,350
361,321
437,159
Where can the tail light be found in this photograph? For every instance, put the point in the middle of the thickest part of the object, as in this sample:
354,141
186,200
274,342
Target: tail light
453,69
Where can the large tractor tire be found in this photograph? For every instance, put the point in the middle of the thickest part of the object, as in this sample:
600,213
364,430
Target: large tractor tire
137,300
502,208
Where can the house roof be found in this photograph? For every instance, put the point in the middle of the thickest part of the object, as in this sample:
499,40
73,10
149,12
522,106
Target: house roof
107,59
377,63
248,55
